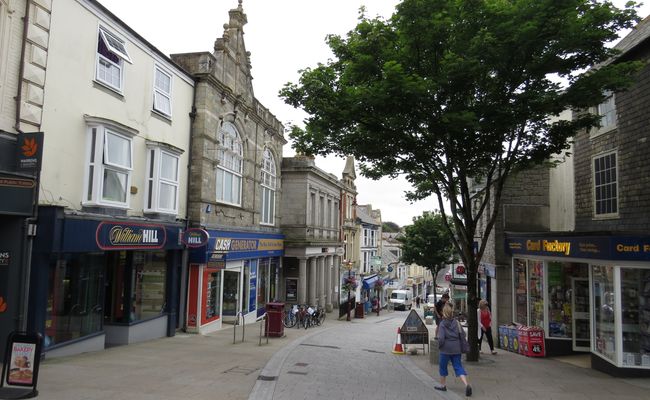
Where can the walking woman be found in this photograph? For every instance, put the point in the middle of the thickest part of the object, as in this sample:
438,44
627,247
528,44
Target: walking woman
449,336
485,322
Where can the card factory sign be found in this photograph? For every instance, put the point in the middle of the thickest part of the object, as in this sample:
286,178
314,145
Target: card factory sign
114,235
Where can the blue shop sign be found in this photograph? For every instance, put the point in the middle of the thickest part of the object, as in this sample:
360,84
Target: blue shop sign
629,248
224,245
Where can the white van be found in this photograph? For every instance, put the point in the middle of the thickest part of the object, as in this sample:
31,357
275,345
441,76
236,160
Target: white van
401,299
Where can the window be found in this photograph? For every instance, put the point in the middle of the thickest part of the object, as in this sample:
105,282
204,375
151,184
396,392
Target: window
108,174
162,92
605,185
268,188
161,192
111,54
229,170
607,112
604,311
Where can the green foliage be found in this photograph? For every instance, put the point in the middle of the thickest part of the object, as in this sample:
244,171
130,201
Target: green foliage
427,242
390,227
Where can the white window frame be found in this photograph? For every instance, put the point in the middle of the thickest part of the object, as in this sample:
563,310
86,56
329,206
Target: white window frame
607,111
112,43
159,93
268,182
155,182
615,181
97,163
230,148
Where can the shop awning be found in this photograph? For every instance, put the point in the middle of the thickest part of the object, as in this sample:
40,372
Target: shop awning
369,282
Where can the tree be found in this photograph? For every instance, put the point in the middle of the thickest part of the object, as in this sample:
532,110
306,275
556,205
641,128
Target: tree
390,227
446,91
427,242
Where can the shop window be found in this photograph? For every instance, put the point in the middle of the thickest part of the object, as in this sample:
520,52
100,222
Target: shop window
148,276
262,278
635,316
536,293
213,296
75,298
247,285
273,290
560,292
521,291
604,308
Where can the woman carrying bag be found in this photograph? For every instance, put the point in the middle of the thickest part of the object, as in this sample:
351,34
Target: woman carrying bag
452,343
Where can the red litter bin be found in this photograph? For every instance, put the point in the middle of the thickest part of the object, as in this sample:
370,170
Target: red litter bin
274,326
358,310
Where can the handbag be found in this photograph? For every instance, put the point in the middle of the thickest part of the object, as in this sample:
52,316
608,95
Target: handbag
464,344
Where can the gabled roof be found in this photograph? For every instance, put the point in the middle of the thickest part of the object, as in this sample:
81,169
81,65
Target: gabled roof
638,35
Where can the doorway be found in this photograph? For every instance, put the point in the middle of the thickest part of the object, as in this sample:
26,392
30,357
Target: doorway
580,320
231,292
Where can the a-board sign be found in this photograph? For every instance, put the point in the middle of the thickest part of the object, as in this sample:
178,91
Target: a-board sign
414,331
21,363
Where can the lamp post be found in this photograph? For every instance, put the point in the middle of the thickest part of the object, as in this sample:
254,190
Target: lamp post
348,266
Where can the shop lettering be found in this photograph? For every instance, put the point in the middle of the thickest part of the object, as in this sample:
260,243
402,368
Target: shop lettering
222,244
554,246
243,245
120,235
194,240
621,248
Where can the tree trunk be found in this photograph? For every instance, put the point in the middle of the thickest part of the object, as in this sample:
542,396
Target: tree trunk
472,306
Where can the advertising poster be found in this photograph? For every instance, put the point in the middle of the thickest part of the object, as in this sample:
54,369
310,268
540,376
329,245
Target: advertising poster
21,365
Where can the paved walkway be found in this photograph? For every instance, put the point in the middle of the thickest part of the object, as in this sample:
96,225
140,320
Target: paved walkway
211,367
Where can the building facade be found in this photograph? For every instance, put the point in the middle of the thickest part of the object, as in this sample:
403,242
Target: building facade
234,187
311,204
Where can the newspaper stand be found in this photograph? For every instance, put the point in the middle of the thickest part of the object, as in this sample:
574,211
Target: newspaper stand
20,367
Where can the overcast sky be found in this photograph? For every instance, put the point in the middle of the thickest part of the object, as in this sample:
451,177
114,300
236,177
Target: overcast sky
283,36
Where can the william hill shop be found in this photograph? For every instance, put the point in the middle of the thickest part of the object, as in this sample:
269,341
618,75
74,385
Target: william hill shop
589,293
232,276
99,283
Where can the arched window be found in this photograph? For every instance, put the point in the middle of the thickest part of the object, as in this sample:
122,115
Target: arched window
268,188
229,169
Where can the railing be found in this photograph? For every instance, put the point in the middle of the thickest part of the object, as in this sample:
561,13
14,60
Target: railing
243,327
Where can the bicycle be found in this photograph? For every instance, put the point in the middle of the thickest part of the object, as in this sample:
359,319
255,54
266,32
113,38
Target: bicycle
289,319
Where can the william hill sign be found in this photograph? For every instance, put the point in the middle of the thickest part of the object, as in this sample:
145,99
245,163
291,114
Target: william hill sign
118,235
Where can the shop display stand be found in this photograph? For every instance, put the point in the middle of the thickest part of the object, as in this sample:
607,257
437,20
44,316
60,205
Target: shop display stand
644,319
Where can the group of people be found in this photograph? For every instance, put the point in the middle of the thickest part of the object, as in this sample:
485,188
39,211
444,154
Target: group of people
450,336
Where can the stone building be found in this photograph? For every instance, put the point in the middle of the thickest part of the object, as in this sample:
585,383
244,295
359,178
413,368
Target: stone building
310,222
235,186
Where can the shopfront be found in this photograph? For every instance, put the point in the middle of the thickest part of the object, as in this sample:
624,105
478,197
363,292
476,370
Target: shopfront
232,276
589,293
101,283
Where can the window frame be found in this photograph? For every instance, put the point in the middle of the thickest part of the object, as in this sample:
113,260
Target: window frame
598,110
95,166
159,91
154,180
595,186
221,168
103,35
269,185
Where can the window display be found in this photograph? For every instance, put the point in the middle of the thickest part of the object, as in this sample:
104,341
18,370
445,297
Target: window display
536,293
635,316
603,292
560,292
521,292
262,277
148,276
213,295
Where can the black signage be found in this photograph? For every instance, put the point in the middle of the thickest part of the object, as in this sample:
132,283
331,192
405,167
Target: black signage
414,331
125,235
29,152
195,237
17,195
5,257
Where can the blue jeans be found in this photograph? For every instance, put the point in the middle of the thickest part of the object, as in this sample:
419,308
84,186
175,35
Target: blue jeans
455,362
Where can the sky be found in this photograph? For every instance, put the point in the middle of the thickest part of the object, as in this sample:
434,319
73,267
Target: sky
283,37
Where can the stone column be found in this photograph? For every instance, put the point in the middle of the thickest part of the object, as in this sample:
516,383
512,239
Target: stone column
312,281
321,281
329,260
302,280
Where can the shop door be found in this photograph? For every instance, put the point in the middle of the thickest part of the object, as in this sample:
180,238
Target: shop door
231,292
581,323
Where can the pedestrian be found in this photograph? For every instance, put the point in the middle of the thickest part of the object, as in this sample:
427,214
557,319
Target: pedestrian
437,312
449,339
485,322
417,302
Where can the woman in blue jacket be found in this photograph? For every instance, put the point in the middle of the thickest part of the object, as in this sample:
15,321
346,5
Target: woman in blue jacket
449,344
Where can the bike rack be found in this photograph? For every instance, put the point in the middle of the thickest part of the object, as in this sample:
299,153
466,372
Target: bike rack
243,327
265,323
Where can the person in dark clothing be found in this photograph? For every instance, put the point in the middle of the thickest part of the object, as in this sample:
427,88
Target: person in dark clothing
438,310
417,302
449,337
485,323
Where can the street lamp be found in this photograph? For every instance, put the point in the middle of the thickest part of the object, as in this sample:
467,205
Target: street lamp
348,265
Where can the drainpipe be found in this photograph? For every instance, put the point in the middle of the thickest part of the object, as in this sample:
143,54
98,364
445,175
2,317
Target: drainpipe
21,66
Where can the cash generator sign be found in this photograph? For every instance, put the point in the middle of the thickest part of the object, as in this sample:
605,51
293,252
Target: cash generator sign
241,244
113,235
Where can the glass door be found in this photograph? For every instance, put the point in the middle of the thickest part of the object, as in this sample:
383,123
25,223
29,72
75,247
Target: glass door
231,292
580,321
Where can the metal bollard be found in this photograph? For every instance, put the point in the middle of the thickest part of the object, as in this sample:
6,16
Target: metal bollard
264,324
243,327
